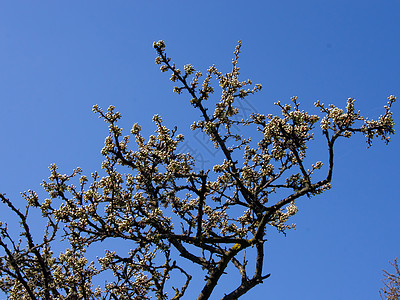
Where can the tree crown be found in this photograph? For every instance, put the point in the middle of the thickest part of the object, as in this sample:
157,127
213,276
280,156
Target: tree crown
155,199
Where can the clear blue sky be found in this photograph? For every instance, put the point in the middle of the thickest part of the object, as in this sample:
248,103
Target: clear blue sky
58,58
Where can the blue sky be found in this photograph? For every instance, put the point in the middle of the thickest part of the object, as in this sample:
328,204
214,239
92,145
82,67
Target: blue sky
57,59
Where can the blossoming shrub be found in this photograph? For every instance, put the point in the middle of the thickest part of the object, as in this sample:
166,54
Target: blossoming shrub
169,212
